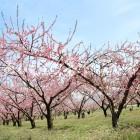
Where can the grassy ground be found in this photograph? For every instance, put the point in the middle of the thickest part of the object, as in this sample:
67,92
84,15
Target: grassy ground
93,127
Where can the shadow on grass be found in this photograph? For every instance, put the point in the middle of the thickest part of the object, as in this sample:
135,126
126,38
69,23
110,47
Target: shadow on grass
64,127
130,126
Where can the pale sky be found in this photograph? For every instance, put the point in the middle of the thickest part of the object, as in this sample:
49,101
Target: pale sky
99,21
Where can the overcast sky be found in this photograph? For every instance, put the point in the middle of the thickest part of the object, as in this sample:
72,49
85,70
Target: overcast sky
99,21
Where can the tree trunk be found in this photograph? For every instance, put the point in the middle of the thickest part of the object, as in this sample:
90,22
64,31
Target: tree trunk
138,104
19,123
7,122
18,120
26,119
32,123
49,119
79,114
115,120
88,112
14,122
105,112
3,122
41,117
83,114
65,115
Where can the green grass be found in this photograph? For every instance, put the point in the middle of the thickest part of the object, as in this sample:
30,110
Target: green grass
93,127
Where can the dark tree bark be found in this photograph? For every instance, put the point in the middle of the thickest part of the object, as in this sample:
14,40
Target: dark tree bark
3,122
80,109
13,118
18,120
14,122
138,103
104,107
7,122
88,112
79,113
105,112
32,121
65,115
19,123
115,119
49,119
41,117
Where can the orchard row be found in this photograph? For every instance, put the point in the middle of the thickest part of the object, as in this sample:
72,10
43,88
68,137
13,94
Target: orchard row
41,76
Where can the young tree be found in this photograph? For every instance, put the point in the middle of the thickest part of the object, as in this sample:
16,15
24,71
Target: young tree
19,97
99,99
76,102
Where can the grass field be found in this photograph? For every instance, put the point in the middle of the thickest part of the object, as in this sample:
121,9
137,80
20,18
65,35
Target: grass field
93,127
